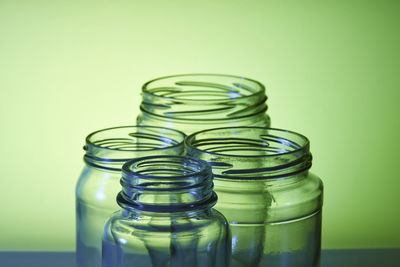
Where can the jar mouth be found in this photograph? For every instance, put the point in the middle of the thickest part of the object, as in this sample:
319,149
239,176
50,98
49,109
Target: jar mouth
239,87
255,147
249,152
110,148
166,184
180,171
203,97
130,138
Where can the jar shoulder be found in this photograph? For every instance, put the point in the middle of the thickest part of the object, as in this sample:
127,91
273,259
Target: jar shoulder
124,223
306,187
96,184
270,200
140,235
261,119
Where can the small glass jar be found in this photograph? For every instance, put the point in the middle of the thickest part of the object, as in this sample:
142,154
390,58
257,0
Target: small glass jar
106,151
266,192
166,217
194,102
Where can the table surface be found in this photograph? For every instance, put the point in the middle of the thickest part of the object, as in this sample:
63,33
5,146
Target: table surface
329,258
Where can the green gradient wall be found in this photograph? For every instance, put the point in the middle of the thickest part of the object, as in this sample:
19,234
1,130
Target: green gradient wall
331,69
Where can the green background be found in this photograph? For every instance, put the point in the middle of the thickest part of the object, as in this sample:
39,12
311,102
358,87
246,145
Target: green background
331,69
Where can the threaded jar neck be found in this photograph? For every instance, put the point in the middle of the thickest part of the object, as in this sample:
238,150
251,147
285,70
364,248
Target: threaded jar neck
166,184
110,148
251,152
190,97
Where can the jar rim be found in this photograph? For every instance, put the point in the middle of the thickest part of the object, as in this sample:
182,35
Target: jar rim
260,89
90,142
304,147
204,167
189,178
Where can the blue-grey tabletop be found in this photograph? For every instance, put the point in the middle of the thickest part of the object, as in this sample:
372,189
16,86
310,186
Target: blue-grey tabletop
329,258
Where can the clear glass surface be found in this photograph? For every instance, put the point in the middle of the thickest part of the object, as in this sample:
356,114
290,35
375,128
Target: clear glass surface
194,102
98,185
166,217
266,192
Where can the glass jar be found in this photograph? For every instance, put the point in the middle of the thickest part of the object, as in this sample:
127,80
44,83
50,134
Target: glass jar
106,151
194,102
166,217
266,192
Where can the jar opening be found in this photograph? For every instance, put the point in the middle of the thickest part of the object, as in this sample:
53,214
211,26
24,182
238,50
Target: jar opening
199,87
165,173
166,183
203,97
114,146
251,152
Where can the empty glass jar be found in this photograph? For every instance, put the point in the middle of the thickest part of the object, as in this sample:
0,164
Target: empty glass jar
266,192
194,102
106,151
167,217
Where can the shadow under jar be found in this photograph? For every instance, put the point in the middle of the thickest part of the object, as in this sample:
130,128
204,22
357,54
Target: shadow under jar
106,151
194,102
167,217
266,192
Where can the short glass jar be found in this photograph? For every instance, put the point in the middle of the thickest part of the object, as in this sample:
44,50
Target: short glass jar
106,151
266,192
194,102
167,217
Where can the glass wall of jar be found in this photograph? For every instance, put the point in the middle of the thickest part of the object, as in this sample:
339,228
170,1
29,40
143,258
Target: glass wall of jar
194,102
106,151
167,217
266,192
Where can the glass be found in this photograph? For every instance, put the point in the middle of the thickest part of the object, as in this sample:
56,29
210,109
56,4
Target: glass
266,192
166,217
194,102
106,151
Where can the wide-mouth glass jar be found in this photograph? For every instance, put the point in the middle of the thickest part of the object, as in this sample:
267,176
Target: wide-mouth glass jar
98,185
193,102
266,192
167,217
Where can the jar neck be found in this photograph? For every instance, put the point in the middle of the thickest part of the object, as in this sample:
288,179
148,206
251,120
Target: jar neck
110,148
181,214
203,97
251,153
192,126
166,184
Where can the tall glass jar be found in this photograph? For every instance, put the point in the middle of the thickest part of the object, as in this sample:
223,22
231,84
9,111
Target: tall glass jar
106,151
266,192
194,102
166,217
